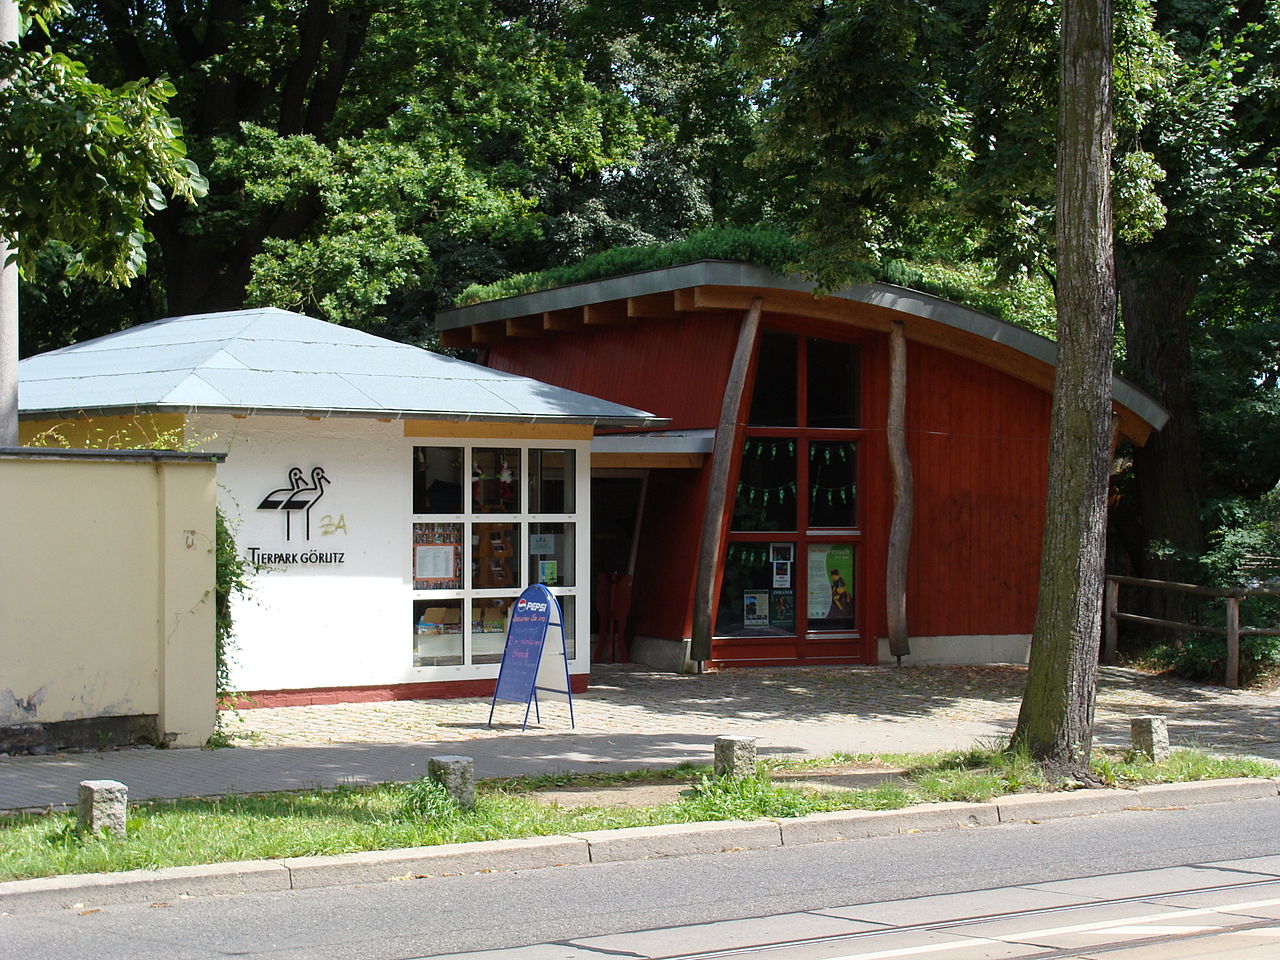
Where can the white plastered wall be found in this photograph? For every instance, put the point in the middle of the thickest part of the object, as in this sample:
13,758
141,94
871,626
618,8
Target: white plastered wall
326,625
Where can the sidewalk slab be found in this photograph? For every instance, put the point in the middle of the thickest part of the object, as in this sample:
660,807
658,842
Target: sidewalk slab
1204,791
680,839
133,886
1073,803
379,866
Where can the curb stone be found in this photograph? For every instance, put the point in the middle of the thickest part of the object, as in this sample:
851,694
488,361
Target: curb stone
1051,806
88,891
680,839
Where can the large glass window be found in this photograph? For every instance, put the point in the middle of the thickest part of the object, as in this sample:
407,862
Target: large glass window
773,402
832,384
495,555
437,480
489,616
830,604
797,477
757,595
466,569
495,483
437,628
833,484
766,492
437,556
551,481
551,554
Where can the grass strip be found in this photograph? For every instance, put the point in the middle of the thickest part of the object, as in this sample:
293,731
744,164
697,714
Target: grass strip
352,818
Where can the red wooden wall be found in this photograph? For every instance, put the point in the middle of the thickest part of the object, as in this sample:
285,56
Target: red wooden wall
674,368
978,441
667,555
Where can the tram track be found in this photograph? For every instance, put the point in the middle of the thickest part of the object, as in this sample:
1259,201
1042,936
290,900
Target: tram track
960,923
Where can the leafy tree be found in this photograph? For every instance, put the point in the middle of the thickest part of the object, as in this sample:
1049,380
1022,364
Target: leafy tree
81,164
350,146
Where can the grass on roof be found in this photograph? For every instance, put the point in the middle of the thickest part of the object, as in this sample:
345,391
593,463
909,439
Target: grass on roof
1027,304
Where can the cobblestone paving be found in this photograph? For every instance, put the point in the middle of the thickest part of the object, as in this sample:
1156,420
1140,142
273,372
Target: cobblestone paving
629,698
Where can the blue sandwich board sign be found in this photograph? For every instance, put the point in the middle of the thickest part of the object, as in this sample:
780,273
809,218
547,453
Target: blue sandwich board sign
536,611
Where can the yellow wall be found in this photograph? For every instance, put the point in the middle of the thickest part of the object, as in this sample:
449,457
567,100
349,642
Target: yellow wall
106,588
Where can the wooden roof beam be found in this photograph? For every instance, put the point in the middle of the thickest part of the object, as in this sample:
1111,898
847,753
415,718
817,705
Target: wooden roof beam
525,326
486,333
458,338
563,321
654,306
604,314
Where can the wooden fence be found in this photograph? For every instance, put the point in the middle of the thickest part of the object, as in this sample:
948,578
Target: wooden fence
1232,631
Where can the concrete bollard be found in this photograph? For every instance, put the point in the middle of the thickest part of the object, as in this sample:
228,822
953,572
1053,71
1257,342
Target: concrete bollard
1150,735
457,775
103,805
735,757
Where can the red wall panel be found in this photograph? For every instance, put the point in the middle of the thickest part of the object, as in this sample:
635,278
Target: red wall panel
978,441
674,368
667,554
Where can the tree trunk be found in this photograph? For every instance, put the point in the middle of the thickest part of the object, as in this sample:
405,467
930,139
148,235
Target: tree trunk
1154,299
1055,723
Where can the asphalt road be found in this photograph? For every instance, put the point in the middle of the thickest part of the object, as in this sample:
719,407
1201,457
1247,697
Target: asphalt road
679,907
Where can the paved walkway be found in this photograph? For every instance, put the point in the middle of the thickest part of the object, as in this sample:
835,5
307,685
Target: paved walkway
632,717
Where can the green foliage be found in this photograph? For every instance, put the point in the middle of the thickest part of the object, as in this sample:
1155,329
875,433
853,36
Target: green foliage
740,798
1124,768
360,156
765,246
83,164
1244,551
427,799
1025,301
232,575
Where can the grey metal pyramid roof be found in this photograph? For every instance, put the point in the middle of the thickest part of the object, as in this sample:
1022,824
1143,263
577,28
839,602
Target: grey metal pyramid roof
276,362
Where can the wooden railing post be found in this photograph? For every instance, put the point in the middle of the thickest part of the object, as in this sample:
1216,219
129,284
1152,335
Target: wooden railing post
1111,603
1233,642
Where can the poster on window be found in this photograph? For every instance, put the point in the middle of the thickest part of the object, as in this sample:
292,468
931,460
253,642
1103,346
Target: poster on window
830,579
782,609
437,556
755,608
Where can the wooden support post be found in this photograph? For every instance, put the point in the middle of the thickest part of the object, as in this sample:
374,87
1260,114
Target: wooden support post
718,500
903,495
1110,626
1233,642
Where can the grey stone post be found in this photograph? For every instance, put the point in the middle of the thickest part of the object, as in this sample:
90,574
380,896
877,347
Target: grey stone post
735,757
457,775
103,805
1150,735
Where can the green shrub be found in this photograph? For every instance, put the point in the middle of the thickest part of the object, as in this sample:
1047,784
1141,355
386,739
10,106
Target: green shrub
426,799
740,798
1243,551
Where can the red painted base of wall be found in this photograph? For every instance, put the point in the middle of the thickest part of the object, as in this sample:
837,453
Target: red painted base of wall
439,690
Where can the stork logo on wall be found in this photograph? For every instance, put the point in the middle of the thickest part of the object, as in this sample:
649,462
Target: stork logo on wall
297,497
